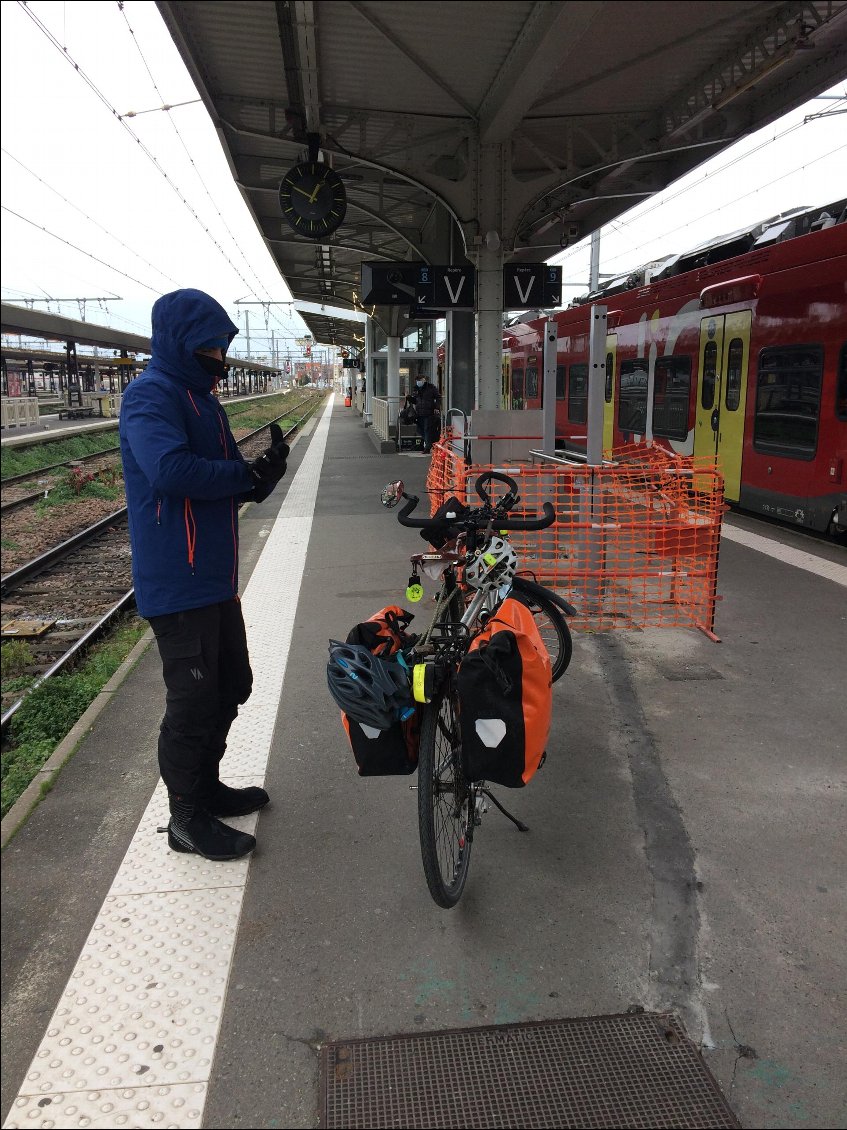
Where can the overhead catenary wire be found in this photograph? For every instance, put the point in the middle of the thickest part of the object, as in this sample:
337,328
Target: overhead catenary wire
81,250
151,157
752,192
660,199
130,29
91,219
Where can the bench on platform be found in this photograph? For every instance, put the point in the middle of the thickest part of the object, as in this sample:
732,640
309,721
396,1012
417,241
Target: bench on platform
76,413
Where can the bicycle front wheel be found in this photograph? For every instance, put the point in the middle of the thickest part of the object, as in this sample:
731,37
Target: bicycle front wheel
553,629
445,800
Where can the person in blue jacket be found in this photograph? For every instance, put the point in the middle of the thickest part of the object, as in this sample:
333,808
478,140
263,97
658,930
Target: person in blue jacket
184,480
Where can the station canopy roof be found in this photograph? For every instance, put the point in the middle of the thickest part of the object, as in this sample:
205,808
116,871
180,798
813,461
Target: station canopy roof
330,329
598,105
54,327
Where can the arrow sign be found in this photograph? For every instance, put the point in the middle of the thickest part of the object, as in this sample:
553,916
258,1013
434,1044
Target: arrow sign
530,285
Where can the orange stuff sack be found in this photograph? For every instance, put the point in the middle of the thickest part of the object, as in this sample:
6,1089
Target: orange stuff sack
505,699
384,633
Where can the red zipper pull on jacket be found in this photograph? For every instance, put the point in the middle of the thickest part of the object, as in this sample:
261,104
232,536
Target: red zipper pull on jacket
190,531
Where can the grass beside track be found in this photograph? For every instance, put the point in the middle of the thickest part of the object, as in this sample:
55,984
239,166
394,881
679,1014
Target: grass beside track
250,414
53,708
23,460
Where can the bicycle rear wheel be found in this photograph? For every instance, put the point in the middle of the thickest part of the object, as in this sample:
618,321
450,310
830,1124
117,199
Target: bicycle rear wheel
553,628
445,800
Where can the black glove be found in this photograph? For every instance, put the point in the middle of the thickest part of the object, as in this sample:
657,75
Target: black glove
269,468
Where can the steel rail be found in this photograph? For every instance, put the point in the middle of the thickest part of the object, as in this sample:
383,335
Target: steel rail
11,479
77,648
13,579
25,500
55,437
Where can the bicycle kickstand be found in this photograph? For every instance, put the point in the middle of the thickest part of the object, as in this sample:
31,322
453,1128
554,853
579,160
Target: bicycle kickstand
518,823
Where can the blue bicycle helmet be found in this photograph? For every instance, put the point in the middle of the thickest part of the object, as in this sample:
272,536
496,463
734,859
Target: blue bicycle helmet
370,690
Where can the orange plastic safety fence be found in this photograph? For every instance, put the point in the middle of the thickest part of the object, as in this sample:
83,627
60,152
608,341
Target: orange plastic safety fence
635,542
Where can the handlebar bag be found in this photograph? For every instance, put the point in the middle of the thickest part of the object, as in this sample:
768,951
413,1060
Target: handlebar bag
452,506
391,752
505,699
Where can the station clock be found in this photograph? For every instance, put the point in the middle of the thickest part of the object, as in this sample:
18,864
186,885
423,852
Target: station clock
313,199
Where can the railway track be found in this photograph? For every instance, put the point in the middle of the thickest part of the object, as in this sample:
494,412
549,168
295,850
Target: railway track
65,599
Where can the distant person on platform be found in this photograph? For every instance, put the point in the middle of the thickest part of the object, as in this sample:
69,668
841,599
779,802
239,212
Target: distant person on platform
426,401
184,479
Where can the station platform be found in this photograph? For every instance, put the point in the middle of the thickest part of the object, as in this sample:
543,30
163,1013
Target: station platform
686,850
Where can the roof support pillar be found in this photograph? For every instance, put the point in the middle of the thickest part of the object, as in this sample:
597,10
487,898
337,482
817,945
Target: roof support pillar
491,166
393,358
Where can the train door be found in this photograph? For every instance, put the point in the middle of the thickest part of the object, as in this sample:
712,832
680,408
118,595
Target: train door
722,393
609,394
506,388
517,388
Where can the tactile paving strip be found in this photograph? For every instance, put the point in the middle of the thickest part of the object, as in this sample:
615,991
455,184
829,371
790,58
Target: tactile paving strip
608,1071
132,1039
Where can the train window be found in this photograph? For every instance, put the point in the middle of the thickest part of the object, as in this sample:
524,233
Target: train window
841,392
707,381
788,398
671,394
610,366
632,397
532,383
560,382
734,359
578,394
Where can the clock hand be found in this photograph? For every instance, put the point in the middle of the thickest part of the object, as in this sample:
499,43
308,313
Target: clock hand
317,189
302,192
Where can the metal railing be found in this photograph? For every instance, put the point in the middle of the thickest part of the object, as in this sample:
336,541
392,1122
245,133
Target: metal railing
19,411
385,410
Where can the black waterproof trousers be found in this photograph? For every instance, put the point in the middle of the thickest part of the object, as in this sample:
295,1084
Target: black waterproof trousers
207,676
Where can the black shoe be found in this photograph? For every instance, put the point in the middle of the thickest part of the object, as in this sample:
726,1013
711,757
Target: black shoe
193,829
226,801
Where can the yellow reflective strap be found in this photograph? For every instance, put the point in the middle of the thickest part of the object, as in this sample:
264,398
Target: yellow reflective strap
419,682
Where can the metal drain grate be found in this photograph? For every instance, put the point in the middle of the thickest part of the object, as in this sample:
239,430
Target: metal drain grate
613,1071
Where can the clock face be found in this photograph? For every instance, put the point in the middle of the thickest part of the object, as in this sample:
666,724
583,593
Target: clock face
313,199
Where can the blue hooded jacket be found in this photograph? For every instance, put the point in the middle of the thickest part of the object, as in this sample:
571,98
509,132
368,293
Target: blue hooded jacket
183,473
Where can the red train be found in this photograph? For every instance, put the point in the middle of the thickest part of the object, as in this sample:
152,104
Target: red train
737,349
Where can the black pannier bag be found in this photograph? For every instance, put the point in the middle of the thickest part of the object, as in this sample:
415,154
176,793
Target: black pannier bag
385,753
391,752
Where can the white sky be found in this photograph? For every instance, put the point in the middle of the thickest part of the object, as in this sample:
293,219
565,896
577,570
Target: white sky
60,129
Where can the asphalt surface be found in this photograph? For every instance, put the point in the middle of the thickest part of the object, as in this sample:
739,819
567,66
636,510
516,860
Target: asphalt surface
686,851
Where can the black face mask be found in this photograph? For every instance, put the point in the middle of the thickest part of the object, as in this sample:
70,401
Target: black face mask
211,365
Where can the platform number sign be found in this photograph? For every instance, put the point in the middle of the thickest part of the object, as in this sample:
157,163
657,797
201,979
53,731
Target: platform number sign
445,288
529,286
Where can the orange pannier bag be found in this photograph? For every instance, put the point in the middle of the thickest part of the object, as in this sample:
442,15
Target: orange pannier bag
505,699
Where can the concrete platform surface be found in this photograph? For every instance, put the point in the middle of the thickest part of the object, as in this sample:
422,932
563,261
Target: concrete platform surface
686,852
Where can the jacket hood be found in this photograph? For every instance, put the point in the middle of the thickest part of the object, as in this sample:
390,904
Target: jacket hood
184,321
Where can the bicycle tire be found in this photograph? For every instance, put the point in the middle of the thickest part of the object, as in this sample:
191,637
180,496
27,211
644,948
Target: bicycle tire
553,629
445,800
